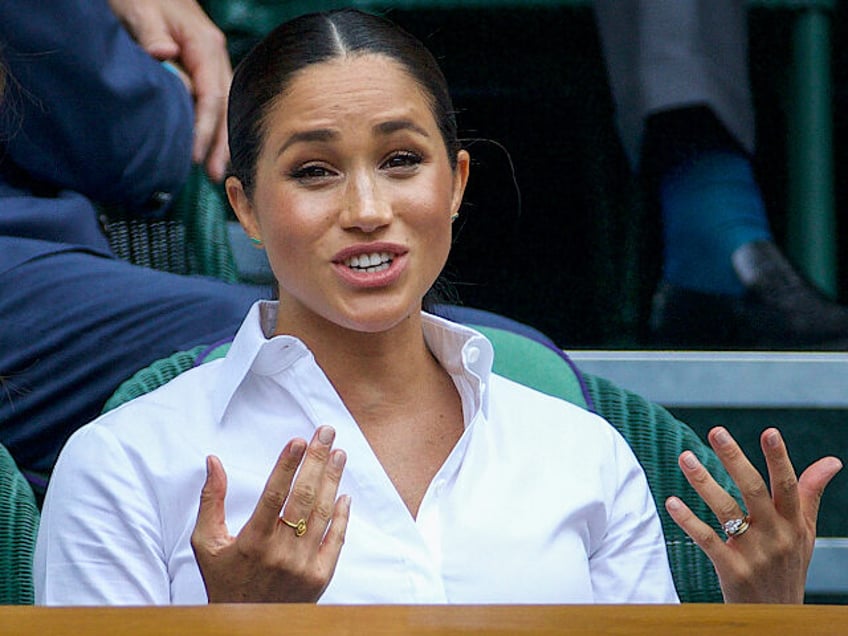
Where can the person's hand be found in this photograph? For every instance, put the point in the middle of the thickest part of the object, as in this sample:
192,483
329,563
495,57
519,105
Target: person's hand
179,31
288,550
767,563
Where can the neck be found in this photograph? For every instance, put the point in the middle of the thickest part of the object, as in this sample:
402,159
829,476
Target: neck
368,368
404,402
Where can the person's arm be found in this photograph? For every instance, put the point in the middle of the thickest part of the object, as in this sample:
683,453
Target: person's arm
87,109
179,30
100,540
765,559
630,565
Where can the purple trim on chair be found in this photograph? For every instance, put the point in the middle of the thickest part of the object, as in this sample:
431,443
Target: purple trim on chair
37,481
485,318
201,357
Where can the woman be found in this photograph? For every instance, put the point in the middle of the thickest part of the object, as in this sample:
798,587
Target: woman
460,486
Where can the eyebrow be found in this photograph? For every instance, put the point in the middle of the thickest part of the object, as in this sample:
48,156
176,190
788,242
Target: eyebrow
325,134
389,127
320,134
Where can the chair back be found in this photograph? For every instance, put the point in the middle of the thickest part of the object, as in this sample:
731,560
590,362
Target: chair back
18,528
191,238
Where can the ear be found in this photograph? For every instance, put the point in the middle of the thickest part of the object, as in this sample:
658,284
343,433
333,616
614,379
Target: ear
460,179
243,207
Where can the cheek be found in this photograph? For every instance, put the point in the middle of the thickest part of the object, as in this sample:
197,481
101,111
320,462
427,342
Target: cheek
430,223
291,220
430,201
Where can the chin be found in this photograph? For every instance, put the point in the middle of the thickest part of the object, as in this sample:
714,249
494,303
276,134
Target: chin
377,320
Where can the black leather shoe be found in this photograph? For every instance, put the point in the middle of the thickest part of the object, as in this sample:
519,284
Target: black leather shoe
779,310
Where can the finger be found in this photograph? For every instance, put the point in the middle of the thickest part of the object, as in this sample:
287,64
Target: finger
331,547
304,492
754,491
782,477
218,157
700,532
724,506
153,36
210,115
267,512
324,507
205,58
812,483
161,48
210,530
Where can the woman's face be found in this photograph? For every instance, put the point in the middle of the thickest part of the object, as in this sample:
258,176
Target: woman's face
353,195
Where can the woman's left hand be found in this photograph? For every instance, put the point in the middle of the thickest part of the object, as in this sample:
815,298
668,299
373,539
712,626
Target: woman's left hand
767,560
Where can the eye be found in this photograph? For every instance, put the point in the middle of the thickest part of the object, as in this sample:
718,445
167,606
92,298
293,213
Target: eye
311,172
402,160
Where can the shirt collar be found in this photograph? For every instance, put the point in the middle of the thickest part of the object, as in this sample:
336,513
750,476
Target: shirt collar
465,354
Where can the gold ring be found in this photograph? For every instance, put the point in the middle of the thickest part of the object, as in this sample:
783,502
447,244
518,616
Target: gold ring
736,527
299,527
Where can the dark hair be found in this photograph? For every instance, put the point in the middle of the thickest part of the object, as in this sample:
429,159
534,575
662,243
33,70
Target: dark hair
265,73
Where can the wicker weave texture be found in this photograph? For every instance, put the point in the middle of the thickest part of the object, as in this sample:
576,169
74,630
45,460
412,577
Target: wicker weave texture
18,528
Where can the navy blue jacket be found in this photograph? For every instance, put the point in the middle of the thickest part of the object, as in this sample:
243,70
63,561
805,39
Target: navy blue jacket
87,116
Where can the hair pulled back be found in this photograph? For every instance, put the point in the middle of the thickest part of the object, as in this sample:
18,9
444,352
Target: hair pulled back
266,72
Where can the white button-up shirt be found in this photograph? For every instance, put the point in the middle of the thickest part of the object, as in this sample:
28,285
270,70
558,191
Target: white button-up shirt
539,502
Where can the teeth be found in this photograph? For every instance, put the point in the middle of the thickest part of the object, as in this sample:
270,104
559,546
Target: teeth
374,262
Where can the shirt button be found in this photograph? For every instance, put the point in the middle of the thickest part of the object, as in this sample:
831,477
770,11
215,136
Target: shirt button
472,354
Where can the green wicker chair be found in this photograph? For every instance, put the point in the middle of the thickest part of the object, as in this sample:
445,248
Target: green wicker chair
190,239
18,527
656,437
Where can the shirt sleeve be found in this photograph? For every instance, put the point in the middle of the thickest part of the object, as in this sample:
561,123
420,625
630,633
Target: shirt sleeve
630,564
99,541
87,109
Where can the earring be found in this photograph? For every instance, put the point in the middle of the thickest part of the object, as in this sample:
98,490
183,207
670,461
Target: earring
256,241
454,216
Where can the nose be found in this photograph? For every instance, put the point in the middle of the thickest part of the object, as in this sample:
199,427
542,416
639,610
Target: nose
366,207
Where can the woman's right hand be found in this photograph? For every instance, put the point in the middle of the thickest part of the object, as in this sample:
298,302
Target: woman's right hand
271,560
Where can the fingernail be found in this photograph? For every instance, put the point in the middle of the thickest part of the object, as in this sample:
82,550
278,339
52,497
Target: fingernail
689,460
338,459
773,439
721,437
326,434
298,448
672,503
